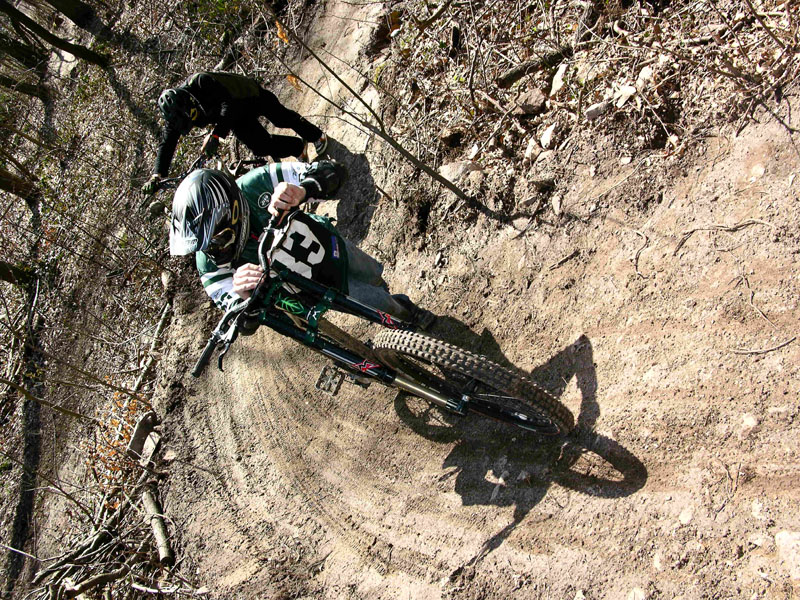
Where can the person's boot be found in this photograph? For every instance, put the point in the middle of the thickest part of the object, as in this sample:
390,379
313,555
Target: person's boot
420,318
423,319
321,145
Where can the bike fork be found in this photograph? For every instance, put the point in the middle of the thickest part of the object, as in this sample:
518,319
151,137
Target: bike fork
412,387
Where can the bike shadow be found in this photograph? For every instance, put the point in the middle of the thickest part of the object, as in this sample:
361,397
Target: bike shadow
495,464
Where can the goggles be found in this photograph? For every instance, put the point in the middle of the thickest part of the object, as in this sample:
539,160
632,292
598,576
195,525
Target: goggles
222,246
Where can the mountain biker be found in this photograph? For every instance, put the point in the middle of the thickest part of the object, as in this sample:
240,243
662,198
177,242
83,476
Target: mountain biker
229,102
220,219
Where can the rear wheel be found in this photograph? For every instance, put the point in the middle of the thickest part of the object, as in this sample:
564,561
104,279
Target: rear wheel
493,391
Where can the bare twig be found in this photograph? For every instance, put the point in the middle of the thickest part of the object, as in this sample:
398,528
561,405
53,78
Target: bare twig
10,549
47,403
635,259
764,25
746,281
732,228
81,506
547,61
423,25
569,257
778,347
380,129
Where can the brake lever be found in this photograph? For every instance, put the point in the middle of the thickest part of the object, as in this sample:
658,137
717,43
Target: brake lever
226,340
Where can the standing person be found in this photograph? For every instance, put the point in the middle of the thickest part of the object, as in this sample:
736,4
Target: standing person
229,102
219,219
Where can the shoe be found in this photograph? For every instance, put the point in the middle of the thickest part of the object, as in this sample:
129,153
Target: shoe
423,319
321,145
304,155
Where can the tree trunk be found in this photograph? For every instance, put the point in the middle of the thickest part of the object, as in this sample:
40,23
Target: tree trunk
85,17
76,11
14,274
33,369
18,186
37,91
28,56
77,50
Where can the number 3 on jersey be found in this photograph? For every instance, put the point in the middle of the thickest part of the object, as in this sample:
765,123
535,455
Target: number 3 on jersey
300,249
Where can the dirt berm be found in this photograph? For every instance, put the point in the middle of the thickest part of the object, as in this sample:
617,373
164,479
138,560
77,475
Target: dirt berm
659,302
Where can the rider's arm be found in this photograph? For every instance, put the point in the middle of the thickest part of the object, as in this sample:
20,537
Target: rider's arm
217,282
166,150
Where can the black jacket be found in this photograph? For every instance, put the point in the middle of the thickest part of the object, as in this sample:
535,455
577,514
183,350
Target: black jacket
224,98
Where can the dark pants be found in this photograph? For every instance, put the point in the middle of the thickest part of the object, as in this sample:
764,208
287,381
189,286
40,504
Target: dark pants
262,143
366,284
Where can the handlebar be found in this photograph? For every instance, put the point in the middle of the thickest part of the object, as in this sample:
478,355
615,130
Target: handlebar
202,362
173,182
227,329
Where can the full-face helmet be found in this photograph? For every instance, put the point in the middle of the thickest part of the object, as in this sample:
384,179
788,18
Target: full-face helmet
209,214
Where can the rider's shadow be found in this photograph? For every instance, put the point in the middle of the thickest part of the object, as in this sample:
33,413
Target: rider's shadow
359,193
495,466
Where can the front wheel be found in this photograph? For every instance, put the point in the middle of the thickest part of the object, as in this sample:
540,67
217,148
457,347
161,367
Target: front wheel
493,391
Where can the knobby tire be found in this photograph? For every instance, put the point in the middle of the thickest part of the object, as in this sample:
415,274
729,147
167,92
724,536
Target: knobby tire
516,398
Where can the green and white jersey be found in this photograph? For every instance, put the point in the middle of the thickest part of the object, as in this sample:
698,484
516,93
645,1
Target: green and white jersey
257,187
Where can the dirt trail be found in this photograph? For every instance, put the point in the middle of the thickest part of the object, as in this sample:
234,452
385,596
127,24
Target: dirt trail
681,480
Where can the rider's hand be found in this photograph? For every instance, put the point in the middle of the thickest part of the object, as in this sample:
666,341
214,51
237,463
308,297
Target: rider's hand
285,197
151,186
245,278
210,145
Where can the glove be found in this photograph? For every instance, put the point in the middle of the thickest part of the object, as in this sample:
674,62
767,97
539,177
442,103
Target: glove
323,179
151,186
210,145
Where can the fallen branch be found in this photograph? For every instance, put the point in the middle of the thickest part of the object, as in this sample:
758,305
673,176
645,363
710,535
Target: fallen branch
100,536
92,582
548,61
424,24
153,509
162,323
730,229
778,347
144,427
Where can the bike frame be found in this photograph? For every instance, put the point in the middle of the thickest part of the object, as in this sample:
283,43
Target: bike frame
274,304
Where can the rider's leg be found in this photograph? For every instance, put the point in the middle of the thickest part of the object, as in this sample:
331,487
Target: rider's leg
366,283
362,266
280,116
261,143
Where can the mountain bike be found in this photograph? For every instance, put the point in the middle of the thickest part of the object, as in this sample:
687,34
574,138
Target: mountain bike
235,169
400,357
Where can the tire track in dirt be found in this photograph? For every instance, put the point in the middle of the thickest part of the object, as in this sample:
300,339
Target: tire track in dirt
325,474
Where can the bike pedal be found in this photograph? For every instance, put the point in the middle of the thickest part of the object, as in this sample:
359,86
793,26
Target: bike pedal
330,380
